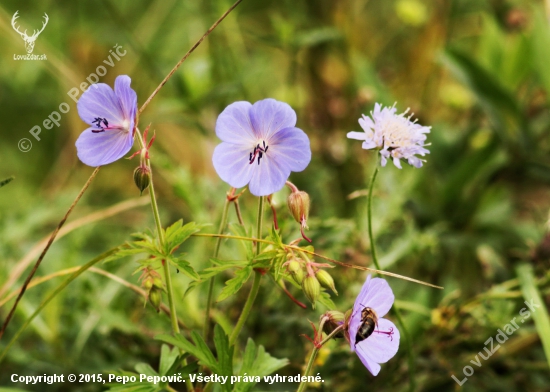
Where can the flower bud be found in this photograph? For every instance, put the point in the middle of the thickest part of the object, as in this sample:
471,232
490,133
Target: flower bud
298,204
157,282
333,319
155,297
311,288
326,280
295,269
142,177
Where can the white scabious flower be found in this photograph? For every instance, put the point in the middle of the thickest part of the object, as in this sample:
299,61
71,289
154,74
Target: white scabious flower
395,135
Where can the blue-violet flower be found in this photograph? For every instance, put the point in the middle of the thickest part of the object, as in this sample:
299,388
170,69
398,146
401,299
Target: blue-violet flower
260,146
394,134
373,338
111,115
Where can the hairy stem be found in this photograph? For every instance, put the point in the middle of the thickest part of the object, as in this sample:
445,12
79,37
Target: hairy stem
223,223
41,257
160,233
257,278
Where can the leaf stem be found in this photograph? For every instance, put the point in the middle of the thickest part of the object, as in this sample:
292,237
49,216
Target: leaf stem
257,278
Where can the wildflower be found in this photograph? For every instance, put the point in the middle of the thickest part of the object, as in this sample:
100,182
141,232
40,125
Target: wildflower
260,146
394,134
373,338
111,116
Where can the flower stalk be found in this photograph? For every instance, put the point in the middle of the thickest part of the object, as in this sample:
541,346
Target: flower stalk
160,232
402,327
257,278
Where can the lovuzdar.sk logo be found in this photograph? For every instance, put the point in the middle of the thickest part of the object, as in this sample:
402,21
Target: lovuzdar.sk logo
29,39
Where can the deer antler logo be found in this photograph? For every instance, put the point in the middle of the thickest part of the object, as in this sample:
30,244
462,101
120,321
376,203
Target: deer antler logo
29,41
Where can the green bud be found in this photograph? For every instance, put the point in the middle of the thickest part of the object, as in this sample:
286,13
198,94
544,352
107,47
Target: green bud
157,282
155,297
333,319
311,288
298,276
147,284
298,204
326,280
142,177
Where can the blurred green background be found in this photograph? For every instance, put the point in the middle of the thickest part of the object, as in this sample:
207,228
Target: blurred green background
477,71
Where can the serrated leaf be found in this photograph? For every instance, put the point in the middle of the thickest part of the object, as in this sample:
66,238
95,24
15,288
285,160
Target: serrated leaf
167,358
234,285
257,362
225,355
199,350
275,237
145,368
229,263
178,235
185,267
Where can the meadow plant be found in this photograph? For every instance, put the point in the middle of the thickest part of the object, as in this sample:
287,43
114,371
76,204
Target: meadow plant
261,146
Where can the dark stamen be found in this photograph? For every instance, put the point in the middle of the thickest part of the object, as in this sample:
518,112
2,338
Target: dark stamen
259,152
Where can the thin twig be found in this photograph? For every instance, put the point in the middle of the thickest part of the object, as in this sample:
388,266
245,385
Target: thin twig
187,55
50,242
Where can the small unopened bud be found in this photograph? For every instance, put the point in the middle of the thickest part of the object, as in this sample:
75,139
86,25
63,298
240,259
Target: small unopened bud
311,288
326,280
157,282
155,297
142,177
298,204
333,319
295,270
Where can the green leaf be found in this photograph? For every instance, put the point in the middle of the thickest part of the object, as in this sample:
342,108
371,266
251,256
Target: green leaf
176,235
234,285
145,368
500,104
225,354
256,362
185,267
532,296
167,359
325,300
208,273
199,350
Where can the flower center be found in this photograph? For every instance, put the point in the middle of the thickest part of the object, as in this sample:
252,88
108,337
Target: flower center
103,125
397,132
259,152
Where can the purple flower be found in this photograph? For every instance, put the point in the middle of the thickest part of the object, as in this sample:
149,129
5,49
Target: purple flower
394,134
111,115
373,338
261,146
